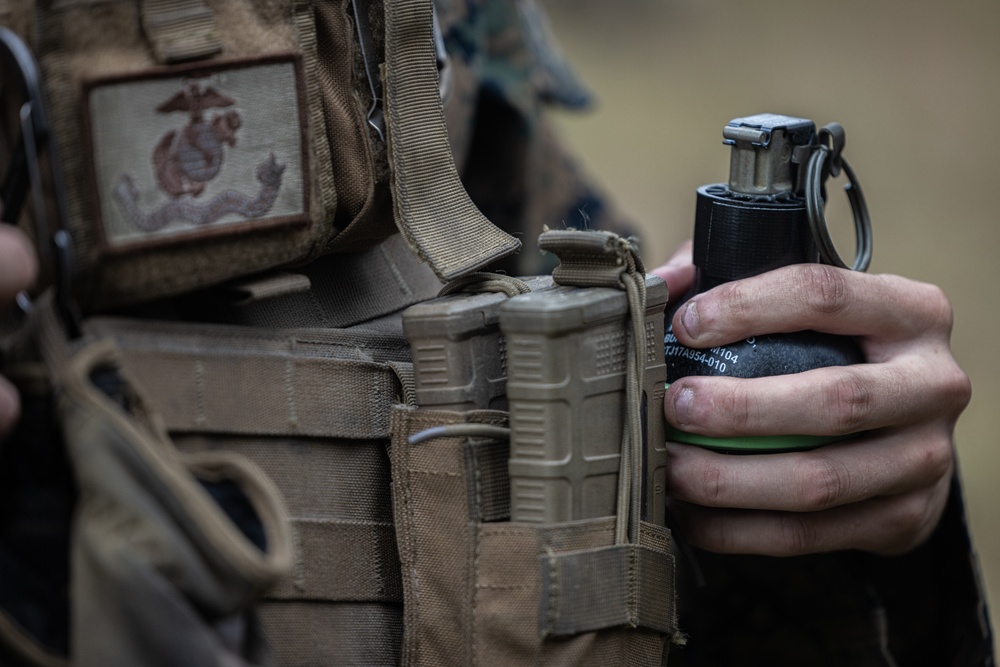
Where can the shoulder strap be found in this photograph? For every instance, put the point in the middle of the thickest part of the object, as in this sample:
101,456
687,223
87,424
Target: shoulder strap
433,210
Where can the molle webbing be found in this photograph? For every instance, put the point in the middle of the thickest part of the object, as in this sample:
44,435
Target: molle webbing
343,561
180,29
311,408
217,381
160,537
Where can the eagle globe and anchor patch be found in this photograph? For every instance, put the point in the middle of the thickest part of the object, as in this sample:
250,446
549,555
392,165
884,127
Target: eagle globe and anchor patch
184,152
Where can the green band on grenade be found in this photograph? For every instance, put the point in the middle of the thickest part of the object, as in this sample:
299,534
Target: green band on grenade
753,444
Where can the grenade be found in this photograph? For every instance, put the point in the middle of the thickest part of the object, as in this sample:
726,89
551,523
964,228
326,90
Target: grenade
769,215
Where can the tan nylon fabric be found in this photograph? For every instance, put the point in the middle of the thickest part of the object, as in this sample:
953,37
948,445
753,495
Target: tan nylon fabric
152,549
489,483
305,633
180,29
349,204
486,282
589,258
73,49
343,561
364,213
608,586
325,194
226,380
509,567
472,590
433,210
341,602
345,289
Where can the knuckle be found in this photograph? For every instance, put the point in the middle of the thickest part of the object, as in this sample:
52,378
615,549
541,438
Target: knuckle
958,387
826,289
739,302
853,402
718,535
941,312
797,535
951,390
932,312
914,520
713,487
823,482
937,458
738,406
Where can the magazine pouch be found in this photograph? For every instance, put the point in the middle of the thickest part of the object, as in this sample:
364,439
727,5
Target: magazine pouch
479,589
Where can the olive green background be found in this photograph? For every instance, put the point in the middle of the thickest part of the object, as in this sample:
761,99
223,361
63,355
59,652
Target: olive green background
917,86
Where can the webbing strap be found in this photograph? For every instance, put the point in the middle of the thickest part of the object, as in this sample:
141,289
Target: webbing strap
249,394
407,381
180,30
343,561
625,584
205,383
305,29
478,283
346,289
433,210
489,483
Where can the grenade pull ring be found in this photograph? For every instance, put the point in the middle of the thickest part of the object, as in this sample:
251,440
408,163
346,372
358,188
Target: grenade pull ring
826,160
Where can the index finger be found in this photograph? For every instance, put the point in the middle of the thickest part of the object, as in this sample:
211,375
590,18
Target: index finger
818,297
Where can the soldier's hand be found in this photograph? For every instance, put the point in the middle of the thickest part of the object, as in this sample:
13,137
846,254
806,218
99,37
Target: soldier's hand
18,269
883,491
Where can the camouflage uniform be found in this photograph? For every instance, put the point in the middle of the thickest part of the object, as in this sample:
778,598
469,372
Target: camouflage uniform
505,72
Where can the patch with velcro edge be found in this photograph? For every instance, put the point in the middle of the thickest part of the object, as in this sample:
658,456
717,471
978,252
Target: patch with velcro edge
192,152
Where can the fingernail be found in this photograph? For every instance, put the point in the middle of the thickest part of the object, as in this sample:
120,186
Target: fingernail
682,405
690,319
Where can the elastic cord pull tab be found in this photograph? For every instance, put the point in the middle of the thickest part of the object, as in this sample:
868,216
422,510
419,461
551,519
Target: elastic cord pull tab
592,258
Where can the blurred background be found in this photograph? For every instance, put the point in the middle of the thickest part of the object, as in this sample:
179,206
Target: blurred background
916,84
